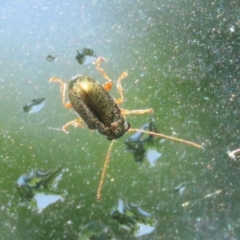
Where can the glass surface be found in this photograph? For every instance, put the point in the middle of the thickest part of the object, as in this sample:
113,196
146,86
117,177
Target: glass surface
182,59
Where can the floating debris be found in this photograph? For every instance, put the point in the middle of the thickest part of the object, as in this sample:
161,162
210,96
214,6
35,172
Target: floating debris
36,181
96,231
133,219
142,147
86,56
43,200
180,188
51,58
35,105
37,187
232,154
191,203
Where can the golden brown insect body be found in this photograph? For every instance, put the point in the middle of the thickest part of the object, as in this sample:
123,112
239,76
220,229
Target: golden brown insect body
99,111
96,107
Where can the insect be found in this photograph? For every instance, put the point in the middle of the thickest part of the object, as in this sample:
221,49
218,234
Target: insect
99,111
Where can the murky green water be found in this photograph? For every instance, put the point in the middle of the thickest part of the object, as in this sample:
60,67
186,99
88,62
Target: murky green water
182,58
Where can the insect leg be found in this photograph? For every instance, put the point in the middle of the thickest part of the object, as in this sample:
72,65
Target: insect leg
108,84
76,123
119,87
140,111
62,91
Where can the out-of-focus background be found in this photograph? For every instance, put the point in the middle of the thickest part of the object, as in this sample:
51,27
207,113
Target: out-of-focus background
183,60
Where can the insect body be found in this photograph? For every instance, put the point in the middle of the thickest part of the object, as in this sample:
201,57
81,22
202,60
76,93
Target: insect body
96,107
99,111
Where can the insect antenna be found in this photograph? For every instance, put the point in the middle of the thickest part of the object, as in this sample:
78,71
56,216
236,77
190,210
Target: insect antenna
167,137
99,195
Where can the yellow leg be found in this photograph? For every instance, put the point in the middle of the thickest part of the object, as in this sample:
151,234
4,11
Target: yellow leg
108,84
140,111
76,123
119,87
62,91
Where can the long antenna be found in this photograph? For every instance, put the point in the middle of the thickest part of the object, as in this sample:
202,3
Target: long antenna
99,196
167,137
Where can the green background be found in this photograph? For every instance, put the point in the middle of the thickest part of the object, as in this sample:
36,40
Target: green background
183,60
